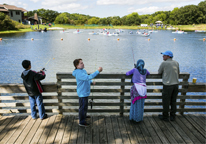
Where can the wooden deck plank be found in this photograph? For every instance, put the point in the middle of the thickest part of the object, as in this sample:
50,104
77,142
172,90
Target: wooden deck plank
55,127
181,132
173,132
203,118
158,130
25,131
109,129
68,129
95,130
88,132
74,132
138,132
192,129
60,133
165,131
20,129
186,130
151,130
32,131
145,133
123,130
8,127
2,119
198,122
117,134
47,129
102,130
195,124
81,135
39,132
12,130
6,122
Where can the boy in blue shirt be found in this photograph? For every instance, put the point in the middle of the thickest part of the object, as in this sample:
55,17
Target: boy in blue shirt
83,88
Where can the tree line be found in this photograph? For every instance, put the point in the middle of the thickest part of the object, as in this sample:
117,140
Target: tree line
190,14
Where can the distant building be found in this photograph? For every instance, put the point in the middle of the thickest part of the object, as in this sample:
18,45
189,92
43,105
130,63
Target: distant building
35,19
14,12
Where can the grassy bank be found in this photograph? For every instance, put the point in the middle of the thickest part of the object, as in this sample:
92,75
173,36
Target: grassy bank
179,27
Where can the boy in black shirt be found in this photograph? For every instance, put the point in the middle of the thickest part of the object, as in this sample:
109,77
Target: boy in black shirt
31,80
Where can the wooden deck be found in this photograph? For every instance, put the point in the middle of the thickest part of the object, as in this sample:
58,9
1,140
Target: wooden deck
103,129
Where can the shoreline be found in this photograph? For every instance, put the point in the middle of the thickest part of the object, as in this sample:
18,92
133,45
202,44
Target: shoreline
64,27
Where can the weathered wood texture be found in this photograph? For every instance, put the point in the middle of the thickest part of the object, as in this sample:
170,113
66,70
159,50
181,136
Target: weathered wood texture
103,129
110,94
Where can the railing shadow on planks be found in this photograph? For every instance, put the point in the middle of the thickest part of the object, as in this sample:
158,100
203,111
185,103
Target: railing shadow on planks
111,95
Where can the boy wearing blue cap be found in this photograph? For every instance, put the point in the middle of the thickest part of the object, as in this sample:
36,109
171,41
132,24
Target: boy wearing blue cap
170,75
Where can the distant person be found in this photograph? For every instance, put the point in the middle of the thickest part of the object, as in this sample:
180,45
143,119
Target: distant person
170,75
31,80
138,91
83,88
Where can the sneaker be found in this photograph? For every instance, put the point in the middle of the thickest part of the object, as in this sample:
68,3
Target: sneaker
163,118
45,116
34,118
84,125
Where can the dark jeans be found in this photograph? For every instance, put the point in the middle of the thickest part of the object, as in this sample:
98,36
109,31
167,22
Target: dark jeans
83,107
39,101
169,96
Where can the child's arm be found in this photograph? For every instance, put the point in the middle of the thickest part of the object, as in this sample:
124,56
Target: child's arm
39,76
130,72
86,77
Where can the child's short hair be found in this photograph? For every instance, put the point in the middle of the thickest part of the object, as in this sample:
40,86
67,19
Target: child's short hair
76,62
26,64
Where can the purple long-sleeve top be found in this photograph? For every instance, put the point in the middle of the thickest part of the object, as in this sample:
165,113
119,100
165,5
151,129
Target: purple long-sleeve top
137,77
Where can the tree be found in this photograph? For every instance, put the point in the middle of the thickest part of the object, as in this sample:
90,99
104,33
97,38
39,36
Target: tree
116,20
62,19
93,21
133,19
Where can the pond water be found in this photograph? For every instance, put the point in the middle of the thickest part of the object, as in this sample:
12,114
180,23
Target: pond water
56,55
106,51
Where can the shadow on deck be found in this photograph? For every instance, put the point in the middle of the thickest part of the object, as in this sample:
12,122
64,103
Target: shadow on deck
103,129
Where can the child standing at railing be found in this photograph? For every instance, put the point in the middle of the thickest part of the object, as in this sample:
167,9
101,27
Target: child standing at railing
83,88
138,91
31,80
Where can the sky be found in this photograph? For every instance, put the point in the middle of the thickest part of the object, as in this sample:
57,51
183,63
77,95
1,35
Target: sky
102,8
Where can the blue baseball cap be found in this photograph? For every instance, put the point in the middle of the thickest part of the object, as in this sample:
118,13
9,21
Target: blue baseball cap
168,53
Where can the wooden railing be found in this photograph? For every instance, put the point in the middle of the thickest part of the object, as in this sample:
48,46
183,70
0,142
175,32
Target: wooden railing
111,94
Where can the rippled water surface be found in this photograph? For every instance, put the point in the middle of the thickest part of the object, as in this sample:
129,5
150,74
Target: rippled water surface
114,56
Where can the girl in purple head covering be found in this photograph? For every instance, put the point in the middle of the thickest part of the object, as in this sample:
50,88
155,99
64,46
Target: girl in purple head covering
138,91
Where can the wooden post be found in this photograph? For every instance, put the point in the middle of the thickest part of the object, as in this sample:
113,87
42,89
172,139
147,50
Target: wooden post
59,94
122,97
185,85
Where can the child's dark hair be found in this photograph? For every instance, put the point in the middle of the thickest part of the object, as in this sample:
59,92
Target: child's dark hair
26,64
76,62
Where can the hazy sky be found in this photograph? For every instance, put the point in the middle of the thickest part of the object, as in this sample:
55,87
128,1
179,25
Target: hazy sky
102,8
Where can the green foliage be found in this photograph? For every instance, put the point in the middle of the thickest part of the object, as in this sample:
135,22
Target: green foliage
6,23
62,19
133,19
93,21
